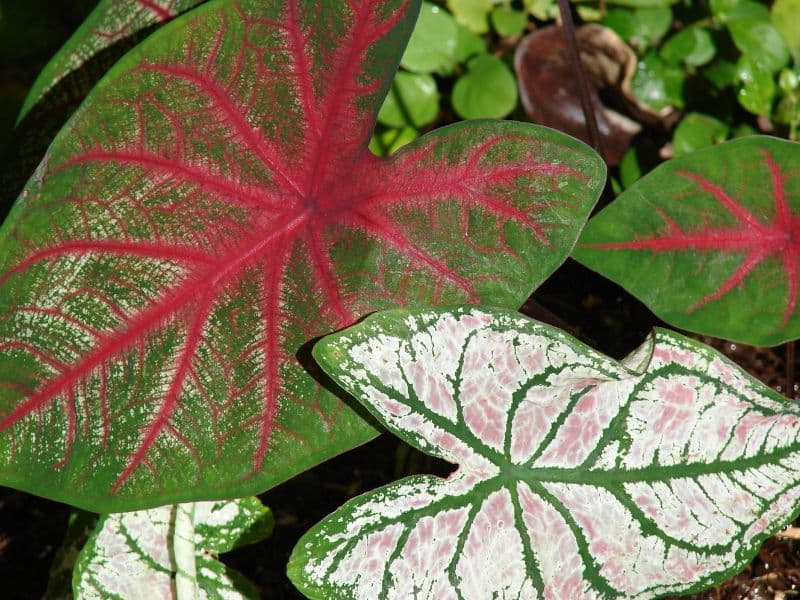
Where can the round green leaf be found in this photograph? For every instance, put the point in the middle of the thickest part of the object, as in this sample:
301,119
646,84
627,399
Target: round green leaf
786,19
657,84
389,141
760,43
507,21
432,45
472,14
692,46
756,87
468,44
412,101
487,90
708,241
642,27
726,10
697,131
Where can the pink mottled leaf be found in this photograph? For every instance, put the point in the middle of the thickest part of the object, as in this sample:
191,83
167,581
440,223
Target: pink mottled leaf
709,241
578,476
210,209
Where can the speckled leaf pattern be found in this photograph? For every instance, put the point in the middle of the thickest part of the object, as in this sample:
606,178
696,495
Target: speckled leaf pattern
110,22
133,555
578,476
210,209
709,241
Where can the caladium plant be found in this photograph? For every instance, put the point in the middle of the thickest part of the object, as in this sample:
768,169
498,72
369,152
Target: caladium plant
578,476
111,22
153,552
709,241
211,208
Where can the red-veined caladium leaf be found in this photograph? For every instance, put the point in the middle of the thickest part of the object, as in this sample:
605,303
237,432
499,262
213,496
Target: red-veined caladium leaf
111,22
709,241
212,207
578,476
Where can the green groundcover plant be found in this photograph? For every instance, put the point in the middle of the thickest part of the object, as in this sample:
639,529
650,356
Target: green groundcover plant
220,201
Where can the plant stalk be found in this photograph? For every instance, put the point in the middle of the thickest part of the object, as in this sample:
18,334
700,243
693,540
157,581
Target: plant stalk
568,28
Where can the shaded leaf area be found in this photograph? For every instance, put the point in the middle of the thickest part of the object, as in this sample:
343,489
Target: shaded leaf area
579,476
171,550
109,31
111,22
708,241
211,208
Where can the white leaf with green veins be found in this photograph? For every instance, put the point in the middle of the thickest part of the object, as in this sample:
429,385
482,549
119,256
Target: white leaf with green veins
578,476
170,552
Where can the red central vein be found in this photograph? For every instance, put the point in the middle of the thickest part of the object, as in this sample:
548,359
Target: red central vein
253,139
138,326
344,74
204,179
119,248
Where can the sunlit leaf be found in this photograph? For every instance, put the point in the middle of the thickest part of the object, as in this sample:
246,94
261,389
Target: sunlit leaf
210,209
708,241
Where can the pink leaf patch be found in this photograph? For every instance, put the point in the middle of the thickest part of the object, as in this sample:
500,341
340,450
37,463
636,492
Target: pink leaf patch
607,481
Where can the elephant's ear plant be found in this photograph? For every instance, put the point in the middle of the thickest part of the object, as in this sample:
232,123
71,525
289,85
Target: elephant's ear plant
578,476
212,207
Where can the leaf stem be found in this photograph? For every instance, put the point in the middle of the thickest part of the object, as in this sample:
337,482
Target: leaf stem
568,28
183,546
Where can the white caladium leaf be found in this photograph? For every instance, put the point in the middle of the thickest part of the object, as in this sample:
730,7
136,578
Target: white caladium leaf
170,551
578,476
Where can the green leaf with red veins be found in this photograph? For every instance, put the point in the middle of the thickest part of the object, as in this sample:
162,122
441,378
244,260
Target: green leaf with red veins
709,241
211,208
578,476
111,24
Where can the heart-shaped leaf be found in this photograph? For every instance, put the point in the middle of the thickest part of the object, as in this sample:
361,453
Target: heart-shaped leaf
211,208
111,22
578,476
170,551
709,241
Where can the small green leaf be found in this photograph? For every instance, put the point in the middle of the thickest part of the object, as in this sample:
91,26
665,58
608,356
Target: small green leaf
708,241
697,131
507,21
760,43
473,14
544,10
578,476
643,3
468,44
146,553
726,10
786,19
412,101
657,84
692,46
389,141
487,90
756,87
431,48
722,73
